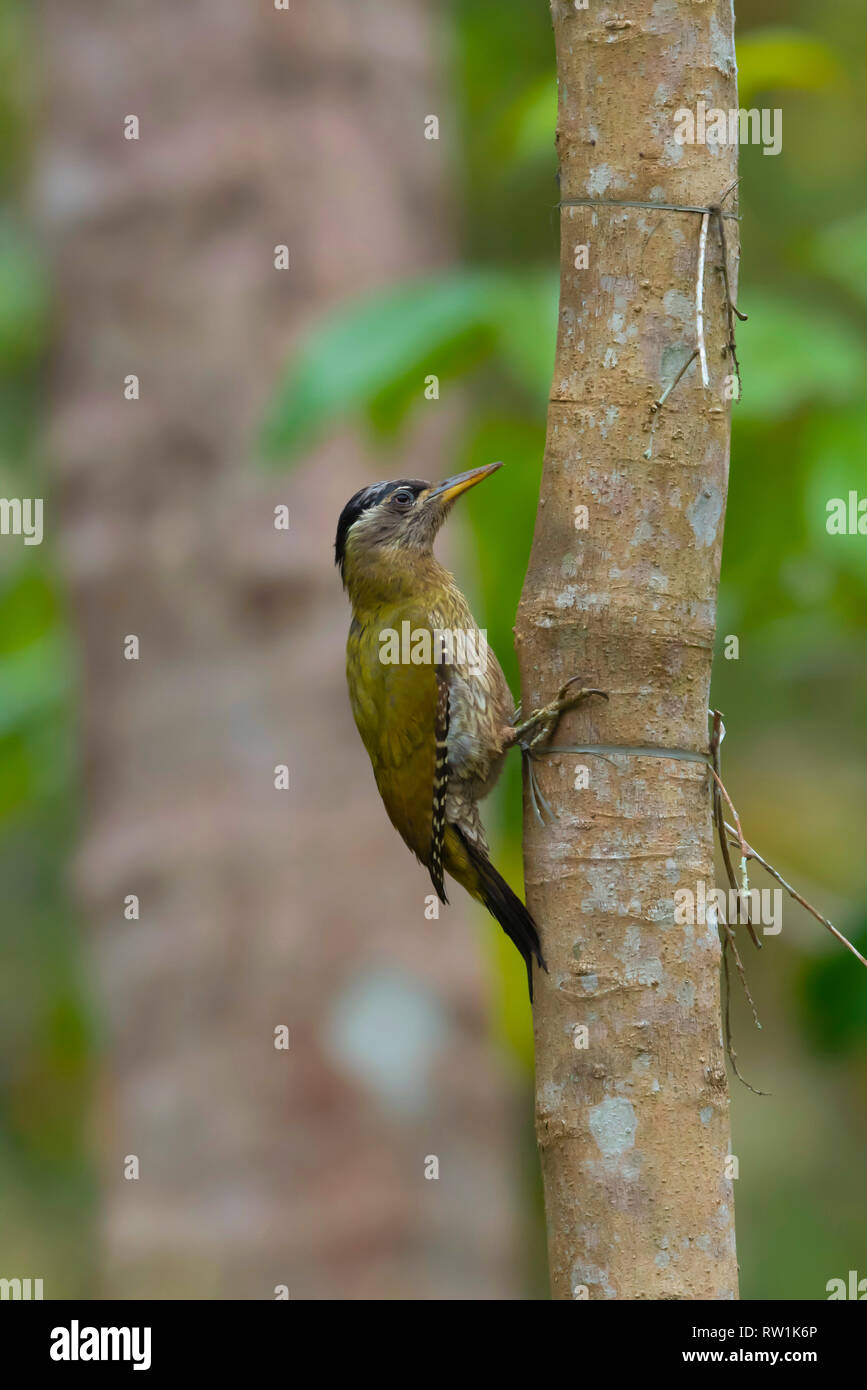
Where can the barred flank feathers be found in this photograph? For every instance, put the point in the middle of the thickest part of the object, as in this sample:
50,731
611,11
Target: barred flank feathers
441,783
507,907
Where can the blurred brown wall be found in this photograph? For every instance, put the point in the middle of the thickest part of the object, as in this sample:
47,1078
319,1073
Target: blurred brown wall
258,908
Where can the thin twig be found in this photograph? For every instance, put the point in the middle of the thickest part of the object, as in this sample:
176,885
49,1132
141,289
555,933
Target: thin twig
716,739
751,853
656,405
727,1017
729,942
731,188
744,847
699,300
730,937
732,310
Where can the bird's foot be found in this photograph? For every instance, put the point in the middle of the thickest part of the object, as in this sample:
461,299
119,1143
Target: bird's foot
540,726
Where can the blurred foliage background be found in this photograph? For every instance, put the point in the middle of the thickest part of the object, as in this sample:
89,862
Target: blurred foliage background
794,596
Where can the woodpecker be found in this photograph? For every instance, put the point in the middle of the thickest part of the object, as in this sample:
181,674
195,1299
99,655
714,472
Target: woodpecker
434,710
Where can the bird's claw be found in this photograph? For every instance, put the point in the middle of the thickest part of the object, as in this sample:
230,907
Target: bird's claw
544,721
541,725
565,701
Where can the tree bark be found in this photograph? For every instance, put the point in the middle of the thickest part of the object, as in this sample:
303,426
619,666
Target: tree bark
633,1127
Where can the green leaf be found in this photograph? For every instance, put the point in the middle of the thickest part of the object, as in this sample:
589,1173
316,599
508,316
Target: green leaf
33,683
387,410
840,252
835,448
776,58
373,358
793,354
526,322
526,130
389,337
24,315
28,607
834,1000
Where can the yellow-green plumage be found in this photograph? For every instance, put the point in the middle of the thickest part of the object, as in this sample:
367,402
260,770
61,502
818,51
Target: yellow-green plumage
394,707
436,734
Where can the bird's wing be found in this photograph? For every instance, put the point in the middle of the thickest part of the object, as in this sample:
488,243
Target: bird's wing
395,708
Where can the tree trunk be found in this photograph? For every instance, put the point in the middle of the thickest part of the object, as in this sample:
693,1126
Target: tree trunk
259,1168
633,1127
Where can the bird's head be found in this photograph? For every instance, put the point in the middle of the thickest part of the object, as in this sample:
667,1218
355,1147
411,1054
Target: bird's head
386,523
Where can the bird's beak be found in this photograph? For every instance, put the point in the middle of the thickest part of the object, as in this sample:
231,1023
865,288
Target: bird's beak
453,487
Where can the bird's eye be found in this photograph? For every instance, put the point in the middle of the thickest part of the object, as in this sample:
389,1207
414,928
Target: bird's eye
403,497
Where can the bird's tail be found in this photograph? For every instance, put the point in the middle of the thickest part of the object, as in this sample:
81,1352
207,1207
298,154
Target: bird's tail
469,864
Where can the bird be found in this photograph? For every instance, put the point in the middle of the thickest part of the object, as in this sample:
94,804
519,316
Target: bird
430,700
